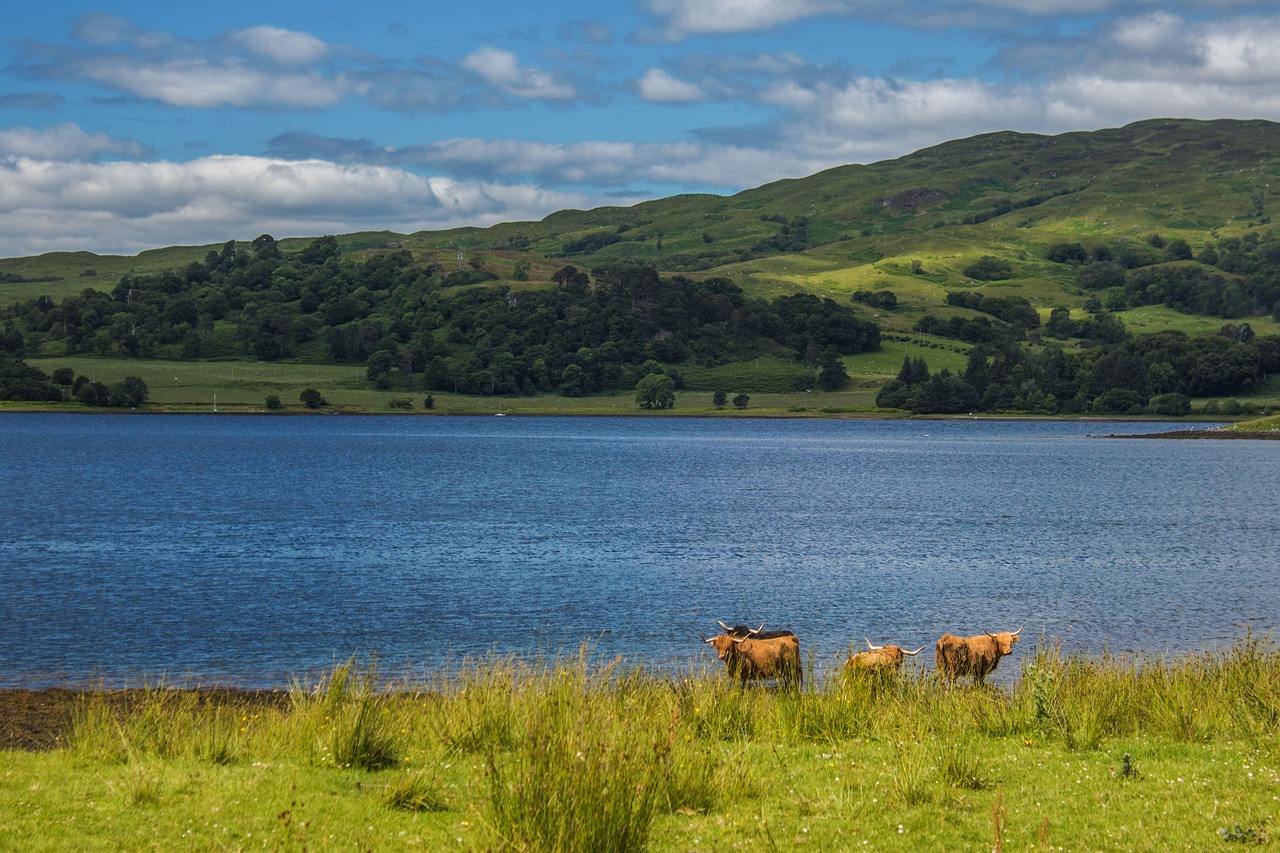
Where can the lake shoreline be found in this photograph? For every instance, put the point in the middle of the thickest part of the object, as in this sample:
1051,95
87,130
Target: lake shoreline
1208,434
764,414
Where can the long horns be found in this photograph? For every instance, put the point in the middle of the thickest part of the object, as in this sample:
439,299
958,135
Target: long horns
729,630
1015,633
876,648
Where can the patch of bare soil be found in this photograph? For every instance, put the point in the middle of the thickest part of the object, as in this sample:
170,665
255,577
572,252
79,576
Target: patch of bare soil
38,720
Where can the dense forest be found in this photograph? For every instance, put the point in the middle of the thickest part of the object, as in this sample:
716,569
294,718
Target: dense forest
418,325
415,325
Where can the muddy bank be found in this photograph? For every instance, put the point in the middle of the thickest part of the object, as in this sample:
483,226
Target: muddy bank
38,720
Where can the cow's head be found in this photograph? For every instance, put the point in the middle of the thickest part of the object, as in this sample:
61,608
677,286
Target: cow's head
1005,640
722,643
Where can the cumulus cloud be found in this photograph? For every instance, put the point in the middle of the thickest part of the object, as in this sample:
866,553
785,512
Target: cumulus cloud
271,68
689,17
126,207
600,165
500,68
658,86
201,84
285,47
66,142
680,19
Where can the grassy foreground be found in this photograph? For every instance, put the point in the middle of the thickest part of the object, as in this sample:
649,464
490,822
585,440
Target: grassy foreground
1082,754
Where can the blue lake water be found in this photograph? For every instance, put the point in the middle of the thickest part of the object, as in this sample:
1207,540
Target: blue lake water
247,550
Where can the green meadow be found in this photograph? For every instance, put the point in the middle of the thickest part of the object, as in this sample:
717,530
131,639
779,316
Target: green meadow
577,754
243,386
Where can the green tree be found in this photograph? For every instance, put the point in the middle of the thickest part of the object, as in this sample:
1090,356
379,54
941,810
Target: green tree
656,391
574,382
1171,403
1059,324
64,376
833,375
273,402
718,399
95,394
312,399
740,401
129,393
379,365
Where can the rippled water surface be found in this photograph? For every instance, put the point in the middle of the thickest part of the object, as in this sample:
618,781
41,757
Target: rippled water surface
248,549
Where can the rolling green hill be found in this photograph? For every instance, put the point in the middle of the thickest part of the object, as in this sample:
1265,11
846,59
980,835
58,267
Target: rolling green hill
1005,194
1162,224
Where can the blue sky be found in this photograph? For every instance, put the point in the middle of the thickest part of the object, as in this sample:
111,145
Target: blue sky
128,126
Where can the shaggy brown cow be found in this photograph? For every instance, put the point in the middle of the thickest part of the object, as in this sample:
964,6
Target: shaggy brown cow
751,657
976,656
884,659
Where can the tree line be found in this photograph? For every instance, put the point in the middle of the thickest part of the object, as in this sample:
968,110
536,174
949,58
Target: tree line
1157,374
415,325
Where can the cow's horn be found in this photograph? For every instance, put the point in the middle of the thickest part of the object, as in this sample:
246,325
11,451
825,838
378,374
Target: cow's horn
738,639
873,648
757,630
726,628
1019,631
988,633
704,639
916,652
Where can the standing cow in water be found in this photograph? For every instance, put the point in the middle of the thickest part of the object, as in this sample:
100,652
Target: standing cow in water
880,659
755,654
976,656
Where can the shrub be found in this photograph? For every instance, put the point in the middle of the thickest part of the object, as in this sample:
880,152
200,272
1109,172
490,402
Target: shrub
312,399
989,268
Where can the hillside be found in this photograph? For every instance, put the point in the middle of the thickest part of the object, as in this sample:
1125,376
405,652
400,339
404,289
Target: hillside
1079,240
1005,194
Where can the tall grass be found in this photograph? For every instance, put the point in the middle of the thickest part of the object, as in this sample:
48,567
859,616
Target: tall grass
346,721
568,754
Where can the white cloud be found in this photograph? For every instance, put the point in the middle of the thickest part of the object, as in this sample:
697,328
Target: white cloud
660,87
286,47
127,207
65,142
499,68
696,17
201,84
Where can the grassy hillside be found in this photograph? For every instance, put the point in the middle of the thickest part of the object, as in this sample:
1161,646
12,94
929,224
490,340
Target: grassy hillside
1005,194
911,230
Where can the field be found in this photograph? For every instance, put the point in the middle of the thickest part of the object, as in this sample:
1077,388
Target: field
577,754
243,386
